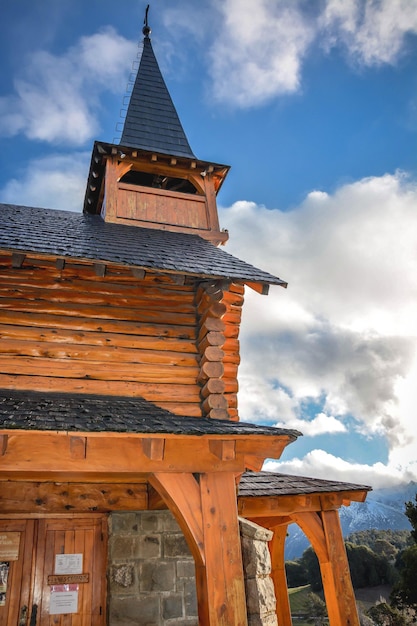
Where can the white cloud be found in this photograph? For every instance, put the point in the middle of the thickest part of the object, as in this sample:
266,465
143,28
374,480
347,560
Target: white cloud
344,334
321,464
55,182
321,424
256,51
373,32
57,97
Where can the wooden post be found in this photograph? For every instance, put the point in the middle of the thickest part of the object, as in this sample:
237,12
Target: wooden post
325,534
337,583
206,509
220,581
276,548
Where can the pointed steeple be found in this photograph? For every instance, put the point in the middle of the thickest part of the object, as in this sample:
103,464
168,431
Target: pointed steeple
152,122
152,179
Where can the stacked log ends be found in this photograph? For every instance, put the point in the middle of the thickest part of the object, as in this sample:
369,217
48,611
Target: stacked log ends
219,307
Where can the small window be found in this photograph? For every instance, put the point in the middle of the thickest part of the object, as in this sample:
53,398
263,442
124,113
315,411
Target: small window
157,181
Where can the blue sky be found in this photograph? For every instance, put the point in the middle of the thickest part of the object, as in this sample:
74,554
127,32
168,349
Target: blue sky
314,105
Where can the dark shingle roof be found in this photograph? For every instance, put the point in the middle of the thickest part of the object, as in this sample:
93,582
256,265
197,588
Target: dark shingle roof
31,410
152,123
257,484
84,236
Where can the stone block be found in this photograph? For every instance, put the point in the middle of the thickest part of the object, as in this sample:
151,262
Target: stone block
123,523
256,557
169,522
186,569
172,607
121,547
268,619
147,547
175,545
190,598
250,529
135,611
151,521
123,575
260,595
157,576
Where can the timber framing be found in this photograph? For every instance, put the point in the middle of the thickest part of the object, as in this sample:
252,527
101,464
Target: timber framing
40,455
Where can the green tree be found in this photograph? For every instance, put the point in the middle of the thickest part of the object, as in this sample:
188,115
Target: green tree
385,615
296,574
316,610
404,594
310,563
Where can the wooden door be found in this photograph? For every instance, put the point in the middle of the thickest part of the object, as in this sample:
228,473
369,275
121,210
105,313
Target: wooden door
14,603
59,578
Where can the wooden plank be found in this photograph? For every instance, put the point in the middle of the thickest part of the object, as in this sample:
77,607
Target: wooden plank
154,342
103,312
163,301
179,395
114,354
85,324
69,368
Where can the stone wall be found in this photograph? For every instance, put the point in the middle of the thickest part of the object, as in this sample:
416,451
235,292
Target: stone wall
151,571
260,594
152,577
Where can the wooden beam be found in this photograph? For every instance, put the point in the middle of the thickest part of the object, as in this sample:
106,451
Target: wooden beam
337,583
261,288
220,581
21,497
278,575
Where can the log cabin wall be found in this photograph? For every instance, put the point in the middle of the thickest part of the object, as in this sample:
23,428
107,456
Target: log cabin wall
97,329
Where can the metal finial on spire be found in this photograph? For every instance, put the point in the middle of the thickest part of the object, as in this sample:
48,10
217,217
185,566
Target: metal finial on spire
146,29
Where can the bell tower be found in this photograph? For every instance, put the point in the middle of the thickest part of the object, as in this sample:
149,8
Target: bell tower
152,178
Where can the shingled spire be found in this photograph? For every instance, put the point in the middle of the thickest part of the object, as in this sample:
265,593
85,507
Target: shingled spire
152,123
151,179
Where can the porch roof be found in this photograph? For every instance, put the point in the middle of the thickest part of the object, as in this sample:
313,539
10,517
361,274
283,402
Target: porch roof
260,484
31,410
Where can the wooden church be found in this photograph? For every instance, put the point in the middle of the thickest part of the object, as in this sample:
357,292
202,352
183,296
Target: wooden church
119,356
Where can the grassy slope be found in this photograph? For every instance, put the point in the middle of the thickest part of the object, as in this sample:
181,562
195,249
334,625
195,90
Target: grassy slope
367,597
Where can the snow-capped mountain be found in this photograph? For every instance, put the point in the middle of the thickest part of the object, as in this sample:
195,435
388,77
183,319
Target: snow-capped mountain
382,510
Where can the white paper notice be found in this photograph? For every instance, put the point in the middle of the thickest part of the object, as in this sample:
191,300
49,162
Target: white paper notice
63,602
68,564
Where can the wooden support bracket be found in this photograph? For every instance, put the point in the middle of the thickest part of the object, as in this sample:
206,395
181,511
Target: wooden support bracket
138,272
154,449
17,260
78,447
3,444
225,450
100,269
